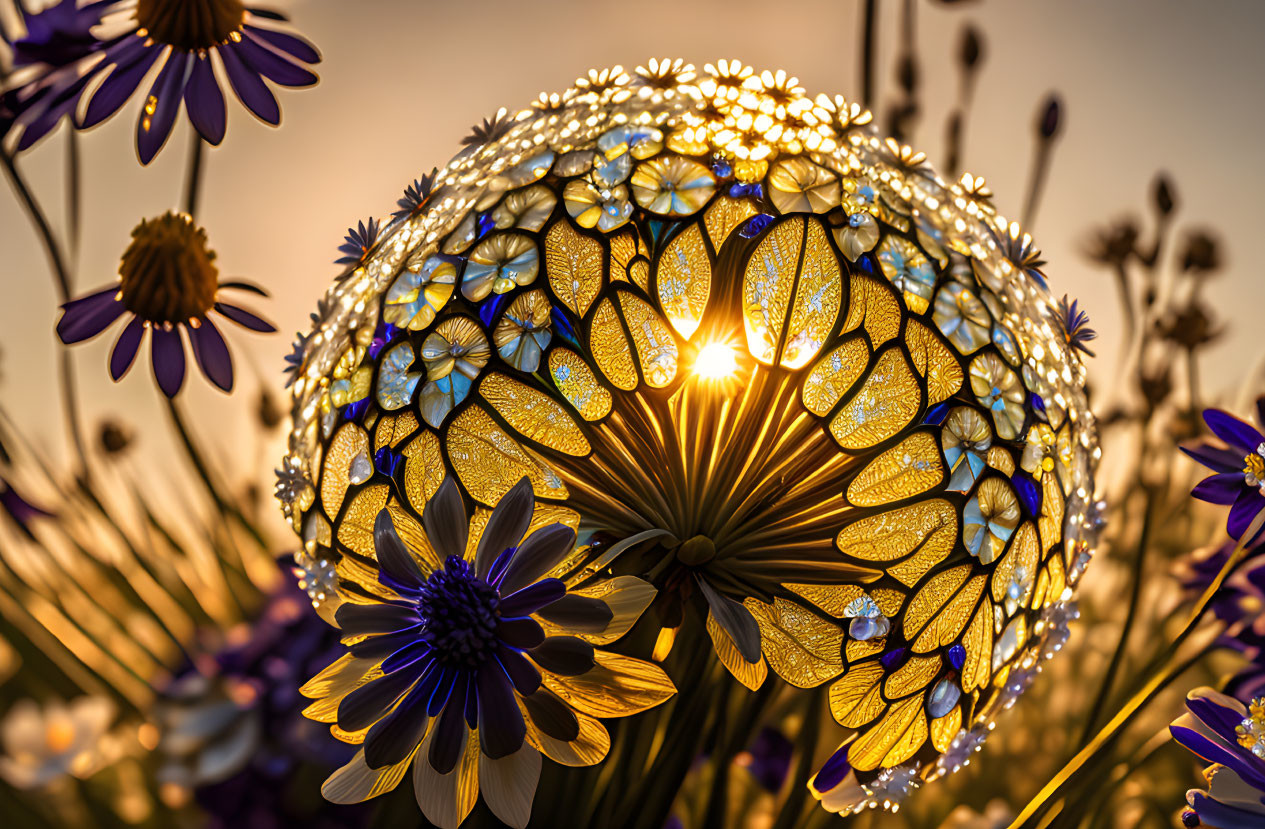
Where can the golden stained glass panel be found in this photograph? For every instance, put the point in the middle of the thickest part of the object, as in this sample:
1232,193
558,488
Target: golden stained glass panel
656,347
818,296
534,414
909,468
834,375
488,461
610,347
574,264
579,385
801,647
897,533
684,280
884,406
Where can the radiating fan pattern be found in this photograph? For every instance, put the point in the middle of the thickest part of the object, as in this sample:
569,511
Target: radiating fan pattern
770,360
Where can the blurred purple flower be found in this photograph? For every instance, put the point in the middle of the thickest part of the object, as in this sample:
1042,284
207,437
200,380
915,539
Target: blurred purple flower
17,507
233,727
54,65
1231,736
768,758
1239,467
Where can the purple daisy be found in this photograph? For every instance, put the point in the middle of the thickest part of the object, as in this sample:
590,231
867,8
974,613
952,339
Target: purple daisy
187,39
167,282
470,660
53,64
1239,467
1230,736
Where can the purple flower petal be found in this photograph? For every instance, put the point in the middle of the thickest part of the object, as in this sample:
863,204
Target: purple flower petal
522,673
290,44
539,553
244,318
159,113
366,705
530,599
204,101
242,285
1219,718
212,354
356,619
125,348
501,725
1214,813
45,109
1241,763
521,633
394,559
131,64
449,739
833,770
1246,506
86,317
1221,488
410,654
1215,457
564,655
552,716
1232,430
249,87
167,354
393,737
272,66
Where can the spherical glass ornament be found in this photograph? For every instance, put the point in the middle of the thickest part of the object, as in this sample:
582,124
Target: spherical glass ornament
774,362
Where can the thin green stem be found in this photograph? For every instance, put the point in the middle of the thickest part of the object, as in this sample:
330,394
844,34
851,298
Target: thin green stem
193,180
204,474
1135,596
867,53
74,177
61,282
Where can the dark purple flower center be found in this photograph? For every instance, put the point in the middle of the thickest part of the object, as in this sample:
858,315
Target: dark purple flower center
460,612
191,25
168,274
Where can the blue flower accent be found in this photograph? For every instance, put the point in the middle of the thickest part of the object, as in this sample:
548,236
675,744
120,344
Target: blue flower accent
358,242
1239,468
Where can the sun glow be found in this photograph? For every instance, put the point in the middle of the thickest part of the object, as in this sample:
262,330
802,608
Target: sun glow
716,361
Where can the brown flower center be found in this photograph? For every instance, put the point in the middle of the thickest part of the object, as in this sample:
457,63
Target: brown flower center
190,25
168,275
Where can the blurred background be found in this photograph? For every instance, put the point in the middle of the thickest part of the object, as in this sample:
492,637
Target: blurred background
1147,85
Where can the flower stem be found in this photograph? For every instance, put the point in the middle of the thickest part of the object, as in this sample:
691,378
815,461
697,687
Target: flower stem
73,185
1135,595
204,474
1052,796
61,282
193,181
867,54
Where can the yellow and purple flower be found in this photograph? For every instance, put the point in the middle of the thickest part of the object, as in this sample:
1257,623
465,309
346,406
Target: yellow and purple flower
1231,736
472,660
1239,468
167,282
187,38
